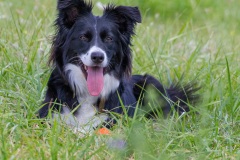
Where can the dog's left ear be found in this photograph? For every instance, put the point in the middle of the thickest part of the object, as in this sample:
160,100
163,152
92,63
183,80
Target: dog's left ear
126,17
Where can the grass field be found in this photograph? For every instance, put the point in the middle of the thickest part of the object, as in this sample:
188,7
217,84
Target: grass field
197,38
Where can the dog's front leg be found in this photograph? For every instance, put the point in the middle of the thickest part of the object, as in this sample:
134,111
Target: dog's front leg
85,120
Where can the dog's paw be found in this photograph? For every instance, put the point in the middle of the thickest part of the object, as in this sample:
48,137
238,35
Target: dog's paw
88,128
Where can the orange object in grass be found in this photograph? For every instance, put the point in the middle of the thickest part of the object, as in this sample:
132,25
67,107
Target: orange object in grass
103,131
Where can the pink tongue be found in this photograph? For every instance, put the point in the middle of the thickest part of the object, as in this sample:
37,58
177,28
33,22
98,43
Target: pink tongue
95,80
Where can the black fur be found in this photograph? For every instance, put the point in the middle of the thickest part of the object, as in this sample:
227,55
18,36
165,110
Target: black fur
76,19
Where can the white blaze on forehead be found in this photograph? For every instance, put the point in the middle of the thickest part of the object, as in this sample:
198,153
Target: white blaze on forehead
96,32
95,49
86,57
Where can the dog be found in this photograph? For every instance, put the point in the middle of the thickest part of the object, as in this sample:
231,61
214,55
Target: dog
91,63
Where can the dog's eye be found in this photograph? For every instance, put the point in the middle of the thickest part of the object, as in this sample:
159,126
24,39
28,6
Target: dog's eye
84,38
108,39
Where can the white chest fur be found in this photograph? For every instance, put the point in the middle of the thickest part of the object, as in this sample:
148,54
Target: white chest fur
86,112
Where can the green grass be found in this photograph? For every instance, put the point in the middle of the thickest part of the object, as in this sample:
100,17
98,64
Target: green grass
197,38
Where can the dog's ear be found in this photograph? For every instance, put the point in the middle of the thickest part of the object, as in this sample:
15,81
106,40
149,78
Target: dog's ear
70,10
126,17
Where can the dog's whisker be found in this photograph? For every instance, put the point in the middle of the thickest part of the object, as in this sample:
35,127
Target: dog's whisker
74,58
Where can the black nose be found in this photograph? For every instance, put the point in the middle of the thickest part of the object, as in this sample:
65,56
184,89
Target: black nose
97,57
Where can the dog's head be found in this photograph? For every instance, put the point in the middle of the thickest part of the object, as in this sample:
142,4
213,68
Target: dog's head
97,44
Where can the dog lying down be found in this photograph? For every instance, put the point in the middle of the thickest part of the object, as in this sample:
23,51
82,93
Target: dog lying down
91,69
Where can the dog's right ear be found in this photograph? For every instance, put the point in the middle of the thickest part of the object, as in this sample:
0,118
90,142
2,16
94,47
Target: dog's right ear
70,10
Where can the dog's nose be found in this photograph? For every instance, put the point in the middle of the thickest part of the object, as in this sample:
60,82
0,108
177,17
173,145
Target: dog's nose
97,57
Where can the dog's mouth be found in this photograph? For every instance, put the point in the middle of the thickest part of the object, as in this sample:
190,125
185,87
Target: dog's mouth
95,78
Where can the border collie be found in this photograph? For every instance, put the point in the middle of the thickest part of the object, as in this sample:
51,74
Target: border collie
92,64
